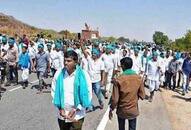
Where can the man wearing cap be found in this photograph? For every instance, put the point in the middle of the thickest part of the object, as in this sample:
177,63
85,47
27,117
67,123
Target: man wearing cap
172,71
32,51
42,64
110,64
57,60
12,60
24,64
96,72
136,61
153,73
3,52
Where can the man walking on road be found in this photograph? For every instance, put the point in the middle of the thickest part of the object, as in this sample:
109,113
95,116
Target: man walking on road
96,72
128,88
71,92
12,60
42,64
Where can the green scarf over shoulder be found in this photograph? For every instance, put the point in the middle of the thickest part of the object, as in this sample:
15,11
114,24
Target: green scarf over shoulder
129,72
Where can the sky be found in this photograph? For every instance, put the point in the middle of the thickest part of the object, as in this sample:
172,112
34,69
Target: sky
134,19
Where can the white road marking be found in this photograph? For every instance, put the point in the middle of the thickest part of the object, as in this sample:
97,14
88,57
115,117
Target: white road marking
104,120
15,88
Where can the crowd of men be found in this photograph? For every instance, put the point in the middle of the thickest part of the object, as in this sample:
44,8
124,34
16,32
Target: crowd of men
100,60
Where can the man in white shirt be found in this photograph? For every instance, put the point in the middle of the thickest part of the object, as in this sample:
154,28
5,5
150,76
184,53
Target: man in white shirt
96,72
110,64
71,110
167,60
153,73
136,61
57,60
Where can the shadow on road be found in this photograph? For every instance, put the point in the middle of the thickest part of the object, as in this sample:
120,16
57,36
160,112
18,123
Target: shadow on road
3,89
183,98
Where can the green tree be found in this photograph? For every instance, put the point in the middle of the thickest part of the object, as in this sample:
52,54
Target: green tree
187,41
123,39
111,39
160,39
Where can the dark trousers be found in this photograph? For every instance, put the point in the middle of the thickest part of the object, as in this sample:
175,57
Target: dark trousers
41,77
10,71
170,76
70,125
3,71
132,123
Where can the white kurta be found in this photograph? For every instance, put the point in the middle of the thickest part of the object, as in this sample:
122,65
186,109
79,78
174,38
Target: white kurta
57,60
153,74
136,63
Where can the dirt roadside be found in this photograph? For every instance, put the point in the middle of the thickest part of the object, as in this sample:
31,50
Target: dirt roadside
179,109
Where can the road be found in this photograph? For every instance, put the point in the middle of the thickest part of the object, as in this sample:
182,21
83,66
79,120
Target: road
23,109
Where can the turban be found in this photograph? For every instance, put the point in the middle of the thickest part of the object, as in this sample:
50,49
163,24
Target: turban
136,50
162,54
49,44
4,39
11,41
95,51
109,47
58,45
178,55
155,54
40,46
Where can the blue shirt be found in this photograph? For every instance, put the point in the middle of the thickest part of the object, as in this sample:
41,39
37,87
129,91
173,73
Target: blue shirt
24,60
42,60
186,67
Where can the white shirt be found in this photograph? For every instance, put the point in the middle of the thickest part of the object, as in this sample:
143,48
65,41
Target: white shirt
136,63
84,64
167,61
180,63
94,69
144,61
162,64
110,62
153,70
4,49
69,93
57,59
32,51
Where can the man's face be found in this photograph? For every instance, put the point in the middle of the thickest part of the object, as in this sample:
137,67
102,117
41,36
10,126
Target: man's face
24,49
94,56
57,49
10,45
136,53
124,53
40,49
167,54
154,58
70,64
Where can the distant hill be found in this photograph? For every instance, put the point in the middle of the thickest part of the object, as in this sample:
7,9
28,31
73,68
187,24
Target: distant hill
11,26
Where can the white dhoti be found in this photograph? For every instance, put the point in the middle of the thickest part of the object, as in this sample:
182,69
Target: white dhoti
25,74
153,85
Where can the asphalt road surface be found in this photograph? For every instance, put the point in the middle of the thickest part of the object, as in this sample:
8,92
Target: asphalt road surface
23,109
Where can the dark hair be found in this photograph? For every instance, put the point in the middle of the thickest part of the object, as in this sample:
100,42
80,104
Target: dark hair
71,54
125,50
126,63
